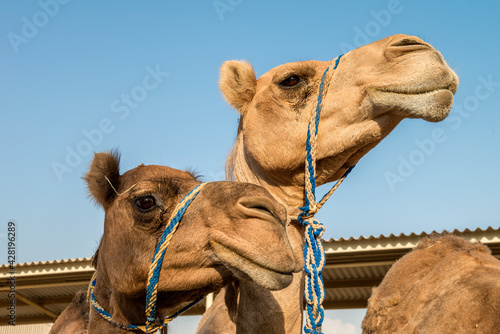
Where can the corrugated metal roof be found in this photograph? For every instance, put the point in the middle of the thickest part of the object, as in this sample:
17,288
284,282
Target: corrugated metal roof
420,235
45,263
26,329
43,289
353,267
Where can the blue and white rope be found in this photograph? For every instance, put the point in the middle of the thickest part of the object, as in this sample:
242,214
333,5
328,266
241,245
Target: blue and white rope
314,253
152,325
154,270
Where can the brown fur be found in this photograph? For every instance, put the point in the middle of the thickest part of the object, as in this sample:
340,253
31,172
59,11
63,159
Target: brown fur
99,188
374,88
230,231
75,318
445,285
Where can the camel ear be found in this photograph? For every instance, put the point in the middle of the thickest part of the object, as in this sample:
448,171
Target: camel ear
237,83
105,165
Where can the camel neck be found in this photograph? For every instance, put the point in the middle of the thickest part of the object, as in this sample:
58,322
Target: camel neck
122,309
287,189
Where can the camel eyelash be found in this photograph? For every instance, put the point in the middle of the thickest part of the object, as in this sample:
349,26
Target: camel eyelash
279,81
304,73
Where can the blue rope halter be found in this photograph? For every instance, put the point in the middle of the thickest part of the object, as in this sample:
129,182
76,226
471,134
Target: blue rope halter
314,253
151,325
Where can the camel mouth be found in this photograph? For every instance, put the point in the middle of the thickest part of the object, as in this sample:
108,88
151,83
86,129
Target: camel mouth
248,269
432,105
413,89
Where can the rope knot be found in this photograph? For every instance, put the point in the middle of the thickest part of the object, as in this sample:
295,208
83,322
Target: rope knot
305,216
313,208
317,228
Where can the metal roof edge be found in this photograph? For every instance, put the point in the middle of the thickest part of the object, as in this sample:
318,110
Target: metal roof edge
47,267
486,236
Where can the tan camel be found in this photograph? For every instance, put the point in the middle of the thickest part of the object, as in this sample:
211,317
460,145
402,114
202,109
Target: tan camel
75,318
230,231
373,89
444,286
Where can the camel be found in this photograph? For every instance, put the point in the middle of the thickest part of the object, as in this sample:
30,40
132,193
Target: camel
373,88
75,318
445,285
231,231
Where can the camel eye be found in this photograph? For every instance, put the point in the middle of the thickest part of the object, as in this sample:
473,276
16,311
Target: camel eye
145,203
290,81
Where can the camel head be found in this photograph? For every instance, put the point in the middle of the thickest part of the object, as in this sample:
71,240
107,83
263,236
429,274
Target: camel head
230,231
373,88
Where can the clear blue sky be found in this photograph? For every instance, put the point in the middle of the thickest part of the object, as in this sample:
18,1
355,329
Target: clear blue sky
63,72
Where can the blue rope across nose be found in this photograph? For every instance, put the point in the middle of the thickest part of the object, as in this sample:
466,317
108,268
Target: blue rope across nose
314,253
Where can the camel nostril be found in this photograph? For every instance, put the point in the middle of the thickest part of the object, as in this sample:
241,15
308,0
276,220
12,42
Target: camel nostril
406,45
260,207
409,41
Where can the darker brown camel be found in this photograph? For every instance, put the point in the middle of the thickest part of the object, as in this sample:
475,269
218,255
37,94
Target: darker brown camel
230,231
444,286
373,89
75,318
